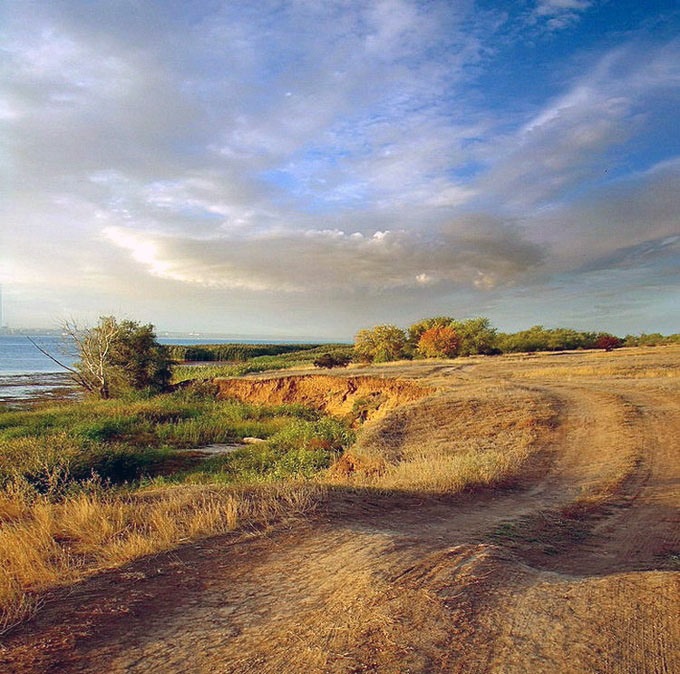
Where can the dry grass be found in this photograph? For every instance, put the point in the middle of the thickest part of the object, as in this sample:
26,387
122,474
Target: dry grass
451,443
629,363
44,544
451,473
621,371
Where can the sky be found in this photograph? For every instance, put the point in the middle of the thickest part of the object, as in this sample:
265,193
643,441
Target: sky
307,168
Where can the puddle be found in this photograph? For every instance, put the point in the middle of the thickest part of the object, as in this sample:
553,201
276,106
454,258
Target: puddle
215,449
223,448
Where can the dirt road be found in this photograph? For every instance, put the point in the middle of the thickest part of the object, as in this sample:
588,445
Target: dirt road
574,570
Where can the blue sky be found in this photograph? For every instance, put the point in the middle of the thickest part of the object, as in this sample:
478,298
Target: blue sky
308,168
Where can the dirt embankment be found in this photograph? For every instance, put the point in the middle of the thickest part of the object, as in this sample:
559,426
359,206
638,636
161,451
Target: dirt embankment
363,398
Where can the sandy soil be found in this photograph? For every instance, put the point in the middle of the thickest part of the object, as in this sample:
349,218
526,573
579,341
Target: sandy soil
575,570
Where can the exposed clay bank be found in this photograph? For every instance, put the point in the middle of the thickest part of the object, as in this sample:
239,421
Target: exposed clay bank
366,397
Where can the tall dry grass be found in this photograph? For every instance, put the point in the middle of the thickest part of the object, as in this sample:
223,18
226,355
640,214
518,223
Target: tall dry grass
44,544
454,442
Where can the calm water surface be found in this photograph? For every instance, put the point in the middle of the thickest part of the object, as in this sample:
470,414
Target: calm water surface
19,357
26,373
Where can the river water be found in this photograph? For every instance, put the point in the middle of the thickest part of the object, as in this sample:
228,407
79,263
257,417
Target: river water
18,356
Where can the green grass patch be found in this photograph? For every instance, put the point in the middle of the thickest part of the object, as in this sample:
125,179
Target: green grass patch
118,441
261,363
300,449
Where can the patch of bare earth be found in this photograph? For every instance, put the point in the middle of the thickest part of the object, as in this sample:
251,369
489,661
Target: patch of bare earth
570,567
365,396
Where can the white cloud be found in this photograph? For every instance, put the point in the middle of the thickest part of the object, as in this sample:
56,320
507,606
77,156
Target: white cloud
579,136
559,14
457,254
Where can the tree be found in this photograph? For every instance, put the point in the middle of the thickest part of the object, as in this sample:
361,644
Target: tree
440,341
476,336
608,342
380,344
416,330
118,356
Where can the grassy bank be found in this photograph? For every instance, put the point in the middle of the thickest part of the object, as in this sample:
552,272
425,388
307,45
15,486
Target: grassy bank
463,440
253,360
94,484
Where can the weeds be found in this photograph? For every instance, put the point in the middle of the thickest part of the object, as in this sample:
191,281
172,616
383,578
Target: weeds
44,543
449,445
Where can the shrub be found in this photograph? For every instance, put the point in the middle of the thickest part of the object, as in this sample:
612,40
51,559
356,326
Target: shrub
329,361
440,341
608,342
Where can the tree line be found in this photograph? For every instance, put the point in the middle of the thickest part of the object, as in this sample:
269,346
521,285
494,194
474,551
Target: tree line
447,337
237,353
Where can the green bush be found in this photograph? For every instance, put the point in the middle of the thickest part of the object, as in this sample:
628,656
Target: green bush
329,361
327,434
118,464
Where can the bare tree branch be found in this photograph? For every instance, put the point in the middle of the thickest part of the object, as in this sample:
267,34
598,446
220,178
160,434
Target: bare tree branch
74,373
50,356
115,356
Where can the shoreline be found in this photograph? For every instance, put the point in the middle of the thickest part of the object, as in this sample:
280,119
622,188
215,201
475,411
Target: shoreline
36,387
